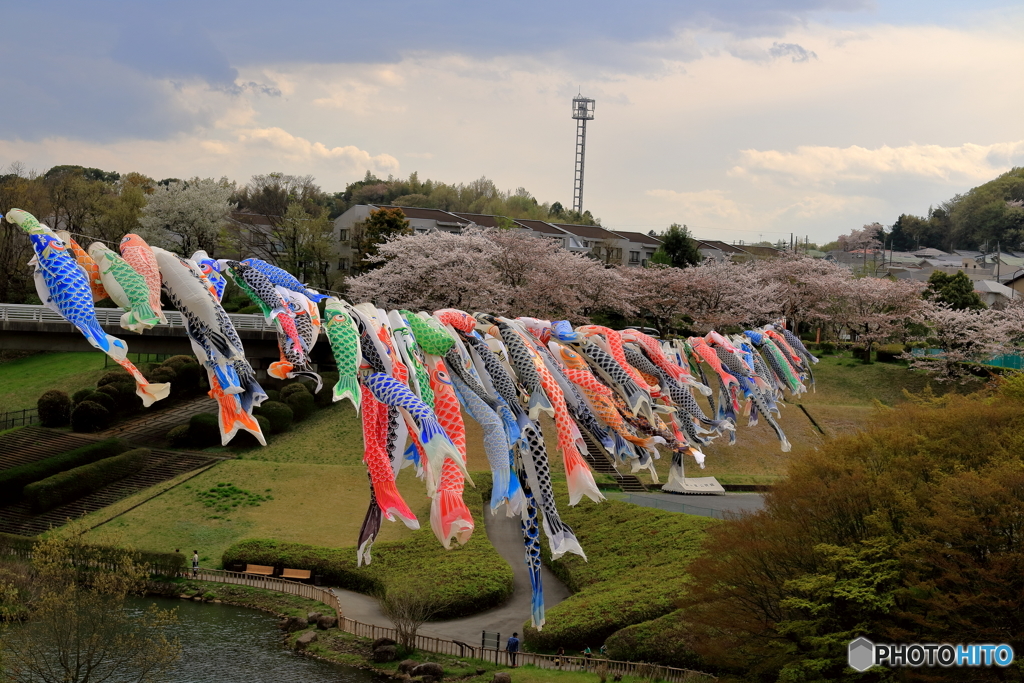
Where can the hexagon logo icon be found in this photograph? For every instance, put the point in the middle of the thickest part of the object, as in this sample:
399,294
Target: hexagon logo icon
861,654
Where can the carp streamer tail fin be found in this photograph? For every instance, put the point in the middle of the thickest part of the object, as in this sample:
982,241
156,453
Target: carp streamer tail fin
499,491
348,387
450,518
369,530
149,393
232,417
308,375
580,479
391,503
280,369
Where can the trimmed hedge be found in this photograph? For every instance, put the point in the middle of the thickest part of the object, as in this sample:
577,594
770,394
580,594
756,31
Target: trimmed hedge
80,395
104,398
302,404
160,374
890,353
89,416
273,395
114,377
325,397
293,388
178,436
665,640
476,578
54,408
636,570
204,430
72,484
15,479
279,414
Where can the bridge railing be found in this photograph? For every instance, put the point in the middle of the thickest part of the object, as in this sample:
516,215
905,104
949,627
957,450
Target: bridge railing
112,316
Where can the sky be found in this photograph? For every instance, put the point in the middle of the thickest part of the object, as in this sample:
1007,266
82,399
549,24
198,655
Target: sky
743,119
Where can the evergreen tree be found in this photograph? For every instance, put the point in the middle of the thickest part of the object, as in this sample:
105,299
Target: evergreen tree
678,248
956,290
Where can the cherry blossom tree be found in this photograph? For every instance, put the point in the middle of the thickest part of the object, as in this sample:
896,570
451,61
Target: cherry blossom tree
499,271
964,337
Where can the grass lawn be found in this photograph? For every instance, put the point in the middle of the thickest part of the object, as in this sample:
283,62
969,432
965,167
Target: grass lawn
24,380
318,486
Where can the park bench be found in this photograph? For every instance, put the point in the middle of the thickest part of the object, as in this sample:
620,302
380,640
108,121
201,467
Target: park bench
296,574
260,569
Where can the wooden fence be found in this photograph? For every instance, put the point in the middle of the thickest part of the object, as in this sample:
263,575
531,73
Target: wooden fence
455,648
303,590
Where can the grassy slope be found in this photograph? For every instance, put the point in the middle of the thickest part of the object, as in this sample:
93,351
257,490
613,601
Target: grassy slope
636,566
842,402
22,381
318,483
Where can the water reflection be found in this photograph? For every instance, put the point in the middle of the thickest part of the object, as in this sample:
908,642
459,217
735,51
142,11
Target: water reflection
222,644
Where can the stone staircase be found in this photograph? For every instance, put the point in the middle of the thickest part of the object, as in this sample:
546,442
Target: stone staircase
600,461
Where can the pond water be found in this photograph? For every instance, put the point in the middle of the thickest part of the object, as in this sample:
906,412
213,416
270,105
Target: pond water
222,644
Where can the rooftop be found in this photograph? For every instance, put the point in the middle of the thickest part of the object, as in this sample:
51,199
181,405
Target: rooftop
481,219
593,232
429,214
638,237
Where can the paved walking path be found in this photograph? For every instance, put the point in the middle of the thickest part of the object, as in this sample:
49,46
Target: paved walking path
507,538
695,504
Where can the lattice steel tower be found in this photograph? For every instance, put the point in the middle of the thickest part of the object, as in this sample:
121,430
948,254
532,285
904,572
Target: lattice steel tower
582,111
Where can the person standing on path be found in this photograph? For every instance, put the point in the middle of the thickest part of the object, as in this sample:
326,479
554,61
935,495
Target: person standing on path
559,658
512,648
587,654
195,563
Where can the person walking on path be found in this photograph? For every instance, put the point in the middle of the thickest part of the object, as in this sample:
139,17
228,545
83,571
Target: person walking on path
512,648
587,654
559,658
195,563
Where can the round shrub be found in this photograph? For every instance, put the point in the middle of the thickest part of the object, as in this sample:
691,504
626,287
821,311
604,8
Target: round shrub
204,430
249,310
89,416
128,402
188,378
109,389
325,396
160,374
80,395
293,388
178,436
113,377
178,362
279,415
273,395
302,405
54,408
104,399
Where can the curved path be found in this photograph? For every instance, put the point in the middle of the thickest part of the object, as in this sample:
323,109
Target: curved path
507,538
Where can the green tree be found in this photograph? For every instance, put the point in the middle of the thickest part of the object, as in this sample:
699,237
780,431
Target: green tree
307,244
678,248
955,290
381,226
78,629
904,532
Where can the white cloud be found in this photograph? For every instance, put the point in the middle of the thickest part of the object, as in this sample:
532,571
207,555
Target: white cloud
969,163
